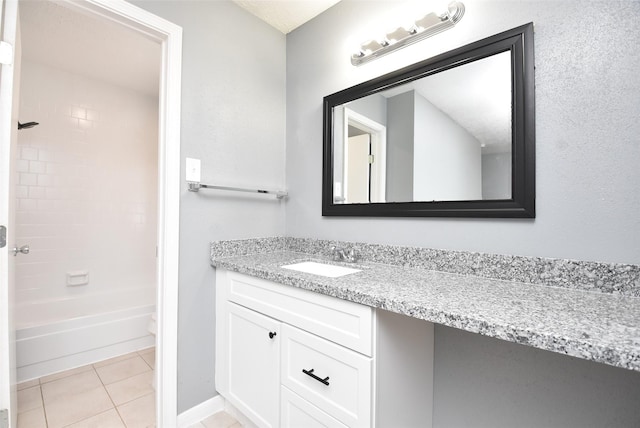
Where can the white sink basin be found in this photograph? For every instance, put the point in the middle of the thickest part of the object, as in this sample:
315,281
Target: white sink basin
322,269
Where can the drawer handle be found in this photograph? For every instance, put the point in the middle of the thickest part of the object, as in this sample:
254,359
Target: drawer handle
310,373
272,334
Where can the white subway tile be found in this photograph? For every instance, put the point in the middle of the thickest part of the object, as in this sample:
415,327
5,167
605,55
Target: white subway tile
84,124
44,155
46,205
45,180
37,167
79,112
93,115
27,205
22,165
22,192
28,153
90,209
27,179
36,192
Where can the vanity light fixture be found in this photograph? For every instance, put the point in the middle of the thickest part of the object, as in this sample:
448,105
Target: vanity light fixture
424,27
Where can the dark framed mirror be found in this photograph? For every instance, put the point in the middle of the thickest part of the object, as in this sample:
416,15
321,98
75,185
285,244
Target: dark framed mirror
451,136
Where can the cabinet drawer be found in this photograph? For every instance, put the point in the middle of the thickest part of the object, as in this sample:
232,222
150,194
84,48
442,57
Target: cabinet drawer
296,413
346,323
335,379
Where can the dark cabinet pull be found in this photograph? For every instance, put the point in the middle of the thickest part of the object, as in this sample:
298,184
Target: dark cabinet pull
310,373
272,334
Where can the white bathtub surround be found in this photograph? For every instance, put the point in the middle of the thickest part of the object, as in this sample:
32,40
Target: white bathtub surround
86,192
66,344
51,311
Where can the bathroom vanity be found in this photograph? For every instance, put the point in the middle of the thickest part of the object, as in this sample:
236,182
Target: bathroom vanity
303,349
291,357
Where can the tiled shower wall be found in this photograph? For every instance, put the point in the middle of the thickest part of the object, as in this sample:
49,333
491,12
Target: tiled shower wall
86,187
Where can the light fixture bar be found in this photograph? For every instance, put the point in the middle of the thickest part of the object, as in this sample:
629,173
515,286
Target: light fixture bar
424,27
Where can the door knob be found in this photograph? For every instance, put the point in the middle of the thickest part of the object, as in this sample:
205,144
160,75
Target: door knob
24,250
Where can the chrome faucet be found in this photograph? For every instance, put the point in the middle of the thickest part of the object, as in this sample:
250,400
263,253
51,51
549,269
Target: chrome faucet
339,254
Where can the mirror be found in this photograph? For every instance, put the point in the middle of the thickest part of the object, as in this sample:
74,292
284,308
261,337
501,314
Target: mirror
449,136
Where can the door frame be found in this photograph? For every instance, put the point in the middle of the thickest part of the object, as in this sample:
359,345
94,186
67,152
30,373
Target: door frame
9,75
169,36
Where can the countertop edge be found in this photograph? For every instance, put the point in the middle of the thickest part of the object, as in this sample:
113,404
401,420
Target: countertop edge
583,349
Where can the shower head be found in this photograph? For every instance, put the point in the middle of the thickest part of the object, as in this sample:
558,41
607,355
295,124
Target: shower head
27,125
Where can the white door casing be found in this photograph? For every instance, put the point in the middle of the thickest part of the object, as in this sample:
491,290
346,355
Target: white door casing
9,73
378,133
169,36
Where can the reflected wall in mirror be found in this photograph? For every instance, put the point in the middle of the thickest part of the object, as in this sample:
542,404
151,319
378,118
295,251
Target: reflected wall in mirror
450,136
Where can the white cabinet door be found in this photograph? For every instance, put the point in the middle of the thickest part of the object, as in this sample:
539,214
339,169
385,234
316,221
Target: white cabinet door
253,357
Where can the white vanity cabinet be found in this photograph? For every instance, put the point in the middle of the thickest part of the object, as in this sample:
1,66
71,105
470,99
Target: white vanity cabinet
288,357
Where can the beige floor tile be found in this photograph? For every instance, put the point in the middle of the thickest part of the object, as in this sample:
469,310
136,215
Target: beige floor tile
197,425
29,399
219,420
28,384
32,419
140,412
60,375
71,408
131,388
108,419
150,358
70,385
147,350
115,359
122,370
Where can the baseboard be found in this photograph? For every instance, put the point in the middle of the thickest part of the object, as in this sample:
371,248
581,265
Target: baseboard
201,411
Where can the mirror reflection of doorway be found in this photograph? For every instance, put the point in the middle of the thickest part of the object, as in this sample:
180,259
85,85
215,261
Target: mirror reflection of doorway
359,169
364,159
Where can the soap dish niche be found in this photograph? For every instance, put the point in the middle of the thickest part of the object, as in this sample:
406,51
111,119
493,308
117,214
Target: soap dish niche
77,277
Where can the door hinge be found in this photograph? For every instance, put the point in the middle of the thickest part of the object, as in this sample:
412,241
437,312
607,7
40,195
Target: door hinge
4,418
371,159
6,53
3,236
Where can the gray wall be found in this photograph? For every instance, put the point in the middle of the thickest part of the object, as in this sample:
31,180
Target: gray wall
587,104
446,157
233,119
400,131
372,106
496,176
482,382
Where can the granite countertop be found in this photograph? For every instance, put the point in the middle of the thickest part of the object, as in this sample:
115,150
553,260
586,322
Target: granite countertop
595,326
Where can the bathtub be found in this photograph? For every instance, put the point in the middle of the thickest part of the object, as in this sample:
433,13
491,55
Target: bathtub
58,335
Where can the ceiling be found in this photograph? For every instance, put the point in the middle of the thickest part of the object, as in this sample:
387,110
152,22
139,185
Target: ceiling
285,15
477,96
56,36
65,39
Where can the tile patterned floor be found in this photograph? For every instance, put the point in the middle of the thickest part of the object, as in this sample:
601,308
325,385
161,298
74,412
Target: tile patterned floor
114,393
219,420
